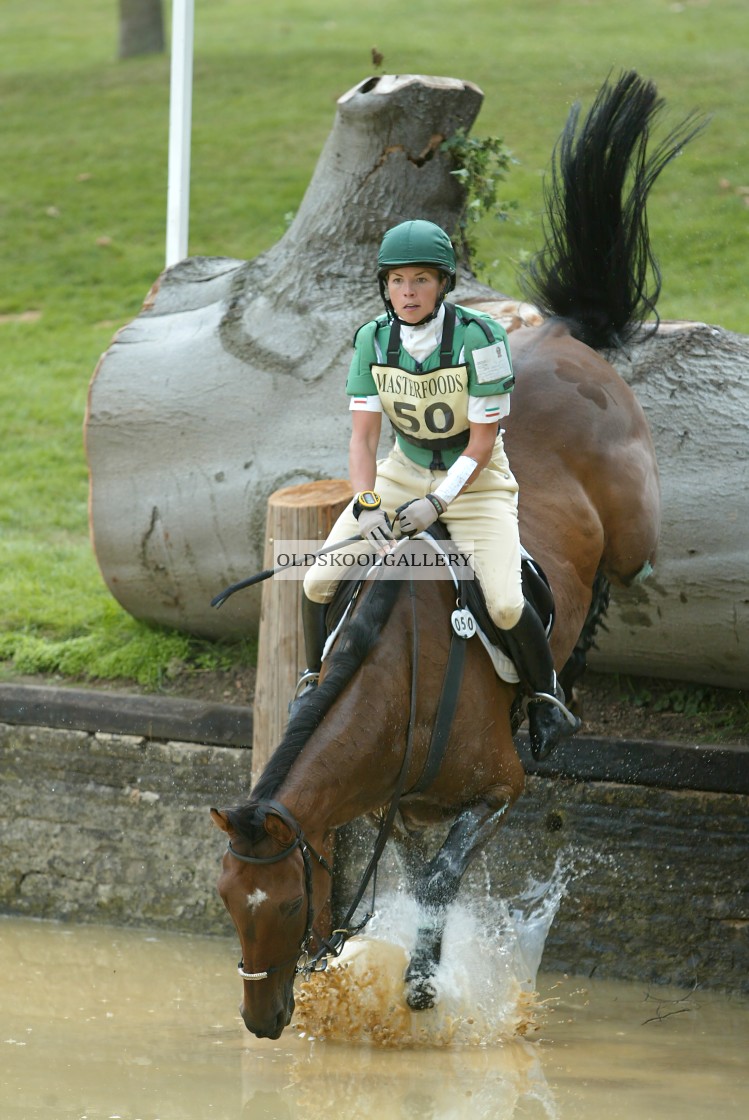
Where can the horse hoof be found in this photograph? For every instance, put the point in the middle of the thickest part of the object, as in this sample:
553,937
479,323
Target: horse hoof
421,994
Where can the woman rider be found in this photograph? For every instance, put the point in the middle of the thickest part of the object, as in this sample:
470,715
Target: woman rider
448,460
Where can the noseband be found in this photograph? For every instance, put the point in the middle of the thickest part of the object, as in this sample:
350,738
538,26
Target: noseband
303,963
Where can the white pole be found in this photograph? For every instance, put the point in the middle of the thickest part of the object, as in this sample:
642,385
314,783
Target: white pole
180,119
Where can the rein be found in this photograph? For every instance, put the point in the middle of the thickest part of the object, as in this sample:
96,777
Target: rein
333,946
307,850
448,701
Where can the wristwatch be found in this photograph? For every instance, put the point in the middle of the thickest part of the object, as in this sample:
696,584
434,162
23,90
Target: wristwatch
366,500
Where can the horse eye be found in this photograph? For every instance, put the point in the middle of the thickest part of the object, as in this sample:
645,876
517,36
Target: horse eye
289,909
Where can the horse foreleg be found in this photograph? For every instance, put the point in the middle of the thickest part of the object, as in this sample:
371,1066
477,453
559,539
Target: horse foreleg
437,888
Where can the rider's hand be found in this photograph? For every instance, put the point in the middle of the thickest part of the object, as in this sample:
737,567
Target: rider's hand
375,527
418,515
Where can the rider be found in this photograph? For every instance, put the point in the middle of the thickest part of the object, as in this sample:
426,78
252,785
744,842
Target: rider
442,375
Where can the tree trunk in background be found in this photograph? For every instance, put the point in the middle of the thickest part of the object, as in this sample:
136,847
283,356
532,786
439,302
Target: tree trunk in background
230,385
141,28
690,619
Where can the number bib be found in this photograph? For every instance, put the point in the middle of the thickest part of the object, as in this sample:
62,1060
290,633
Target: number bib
463,623
429,409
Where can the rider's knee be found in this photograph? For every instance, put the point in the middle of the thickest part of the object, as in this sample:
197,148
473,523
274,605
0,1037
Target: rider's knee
506,615
316,586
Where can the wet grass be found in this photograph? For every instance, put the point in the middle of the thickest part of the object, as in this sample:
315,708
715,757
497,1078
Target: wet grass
83,199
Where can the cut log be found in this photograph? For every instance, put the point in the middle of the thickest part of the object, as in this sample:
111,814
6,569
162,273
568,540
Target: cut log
690,620
295,513
230,384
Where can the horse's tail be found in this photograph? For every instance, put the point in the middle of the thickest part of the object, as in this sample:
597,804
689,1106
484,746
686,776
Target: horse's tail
597,268
577,662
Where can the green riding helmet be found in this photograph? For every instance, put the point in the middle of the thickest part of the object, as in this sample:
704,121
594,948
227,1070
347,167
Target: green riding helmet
417,242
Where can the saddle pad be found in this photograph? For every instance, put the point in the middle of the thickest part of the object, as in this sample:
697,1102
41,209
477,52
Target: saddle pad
344,599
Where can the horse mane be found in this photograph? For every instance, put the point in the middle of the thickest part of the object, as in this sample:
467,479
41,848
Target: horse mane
355,642
597,268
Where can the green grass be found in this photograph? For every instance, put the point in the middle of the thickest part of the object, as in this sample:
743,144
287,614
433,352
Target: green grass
83,199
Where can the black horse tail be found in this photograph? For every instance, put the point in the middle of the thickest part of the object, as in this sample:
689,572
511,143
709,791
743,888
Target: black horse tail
577,662
597,269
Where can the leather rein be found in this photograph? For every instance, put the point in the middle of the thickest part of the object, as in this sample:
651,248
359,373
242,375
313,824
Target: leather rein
333,946
299,841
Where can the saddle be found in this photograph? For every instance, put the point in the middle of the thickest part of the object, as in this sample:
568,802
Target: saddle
536,590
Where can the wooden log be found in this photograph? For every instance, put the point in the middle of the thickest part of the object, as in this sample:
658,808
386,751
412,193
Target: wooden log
690,620
295,513
182,462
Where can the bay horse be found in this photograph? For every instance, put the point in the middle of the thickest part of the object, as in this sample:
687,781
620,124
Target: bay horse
582,452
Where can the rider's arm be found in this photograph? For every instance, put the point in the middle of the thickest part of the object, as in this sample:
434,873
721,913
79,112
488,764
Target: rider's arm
490,381
467,466
365,436
480,447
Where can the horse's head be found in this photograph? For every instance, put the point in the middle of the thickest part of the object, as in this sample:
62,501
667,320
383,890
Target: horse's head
271,881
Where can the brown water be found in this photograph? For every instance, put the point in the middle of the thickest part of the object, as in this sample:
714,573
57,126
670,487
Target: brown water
107,1023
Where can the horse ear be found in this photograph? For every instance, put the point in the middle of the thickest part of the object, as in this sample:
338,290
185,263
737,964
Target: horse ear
221,820
278,829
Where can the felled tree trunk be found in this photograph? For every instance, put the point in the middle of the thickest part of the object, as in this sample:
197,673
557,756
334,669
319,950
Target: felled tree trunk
690,620
230,383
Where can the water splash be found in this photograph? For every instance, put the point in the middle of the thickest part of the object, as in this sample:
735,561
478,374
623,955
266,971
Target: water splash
485,981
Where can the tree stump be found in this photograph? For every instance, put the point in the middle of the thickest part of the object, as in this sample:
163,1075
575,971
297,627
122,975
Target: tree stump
295,513
231,381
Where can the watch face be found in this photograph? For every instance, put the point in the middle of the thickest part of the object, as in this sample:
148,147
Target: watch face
369,499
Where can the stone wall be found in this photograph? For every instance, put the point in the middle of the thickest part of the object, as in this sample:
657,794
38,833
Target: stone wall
113,828
108,827
658,888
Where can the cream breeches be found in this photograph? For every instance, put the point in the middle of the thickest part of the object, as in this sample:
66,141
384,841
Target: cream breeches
485,516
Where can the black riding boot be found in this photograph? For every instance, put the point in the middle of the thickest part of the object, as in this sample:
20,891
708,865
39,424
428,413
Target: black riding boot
315,635
549,721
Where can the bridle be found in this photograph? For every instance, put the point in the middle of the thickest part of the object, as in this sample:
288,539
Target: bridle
333,946
300,841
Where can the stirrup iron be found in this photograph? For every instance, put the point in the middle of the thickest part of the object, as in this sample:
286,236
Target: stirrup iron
308,679
548,698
